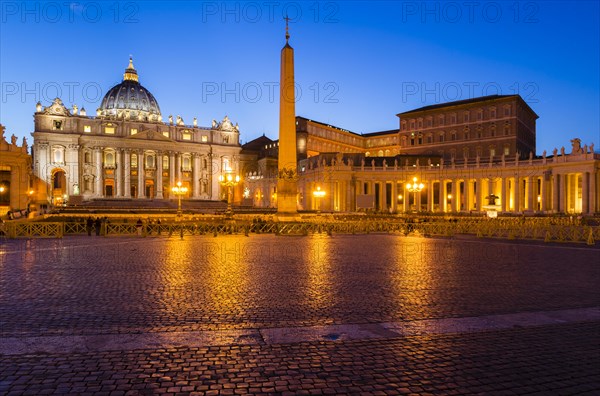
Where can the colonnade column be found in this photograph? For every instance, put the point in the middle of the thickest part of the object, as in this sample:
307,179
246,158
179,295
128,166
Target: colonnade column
405,199
592,196
382,196
127,175
585,196
454,203
468,190
141,177
479,194
99,171
555,193
159,175
504,200
517,193
562,193
530,200
442,196
543,194
430,196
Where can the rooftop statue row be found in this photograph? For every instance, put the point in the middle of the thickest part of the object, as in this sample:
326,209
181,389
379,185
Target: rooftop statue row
57,108
12,146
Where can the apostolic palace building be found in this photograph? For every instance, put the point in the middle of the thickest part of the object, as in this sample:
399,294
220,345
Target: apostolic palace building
471,156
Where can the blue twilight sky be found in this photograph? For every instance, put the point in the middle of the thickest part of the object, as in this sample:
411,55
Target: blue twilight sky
358,63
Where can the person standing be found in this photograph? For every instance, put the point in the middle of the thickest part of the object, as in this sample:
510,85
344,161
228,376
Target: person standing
89,223
97,225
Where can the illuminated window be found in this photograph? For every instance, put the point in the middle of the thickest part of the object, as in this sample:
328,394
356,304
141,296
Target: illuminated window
506,150
134,160
492,152
165,161
110,130
150,161
87,129
133,131
204,138
186,135
58,155
186,165
109,158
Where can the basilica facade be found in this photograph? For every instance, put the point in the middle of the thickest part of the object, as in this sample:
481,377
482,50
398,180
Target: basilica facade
127,151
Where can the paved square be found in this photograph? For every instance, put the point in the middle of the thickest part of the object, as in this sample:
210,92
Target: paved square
378,314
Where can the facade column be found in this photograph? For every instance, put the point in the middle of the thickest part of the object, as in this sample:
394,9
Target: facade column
118,173
141,175
99,172
127,175
530,194
159,175
72,159
172,173
178,166
585,193
195,175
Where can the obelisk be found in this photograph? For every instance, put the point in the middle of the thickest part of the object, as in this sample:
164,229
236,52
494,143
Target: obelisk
287,181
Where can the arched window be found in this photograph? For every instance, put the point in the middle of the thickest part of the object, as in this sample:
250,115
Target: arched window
58,155
109,158
150,163
186,165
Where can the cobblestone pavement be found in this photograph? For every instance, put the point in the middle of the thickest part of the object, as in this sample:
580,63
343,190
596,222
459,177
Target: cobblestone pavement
145,289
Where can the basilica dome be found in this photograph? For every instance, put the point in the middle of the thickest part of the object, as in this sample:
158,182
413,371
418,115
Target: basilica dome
129,100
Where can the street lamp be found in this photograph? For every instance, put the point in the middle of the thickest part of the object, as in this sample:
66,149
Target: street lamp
415,188
179,191
229,180
318,194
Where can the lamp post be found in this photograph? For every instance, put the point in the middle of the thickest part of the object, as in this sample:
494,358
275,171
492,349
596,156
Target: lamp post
318,194
415,188
229,180
179,190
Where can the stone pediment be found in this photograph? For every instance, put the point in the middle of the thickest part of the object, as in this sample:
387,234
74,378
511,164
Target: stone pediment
150,135
57,108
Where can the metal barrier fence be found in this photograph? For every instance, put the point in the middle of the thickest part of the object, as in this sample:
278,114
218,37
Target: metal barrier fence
482,229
